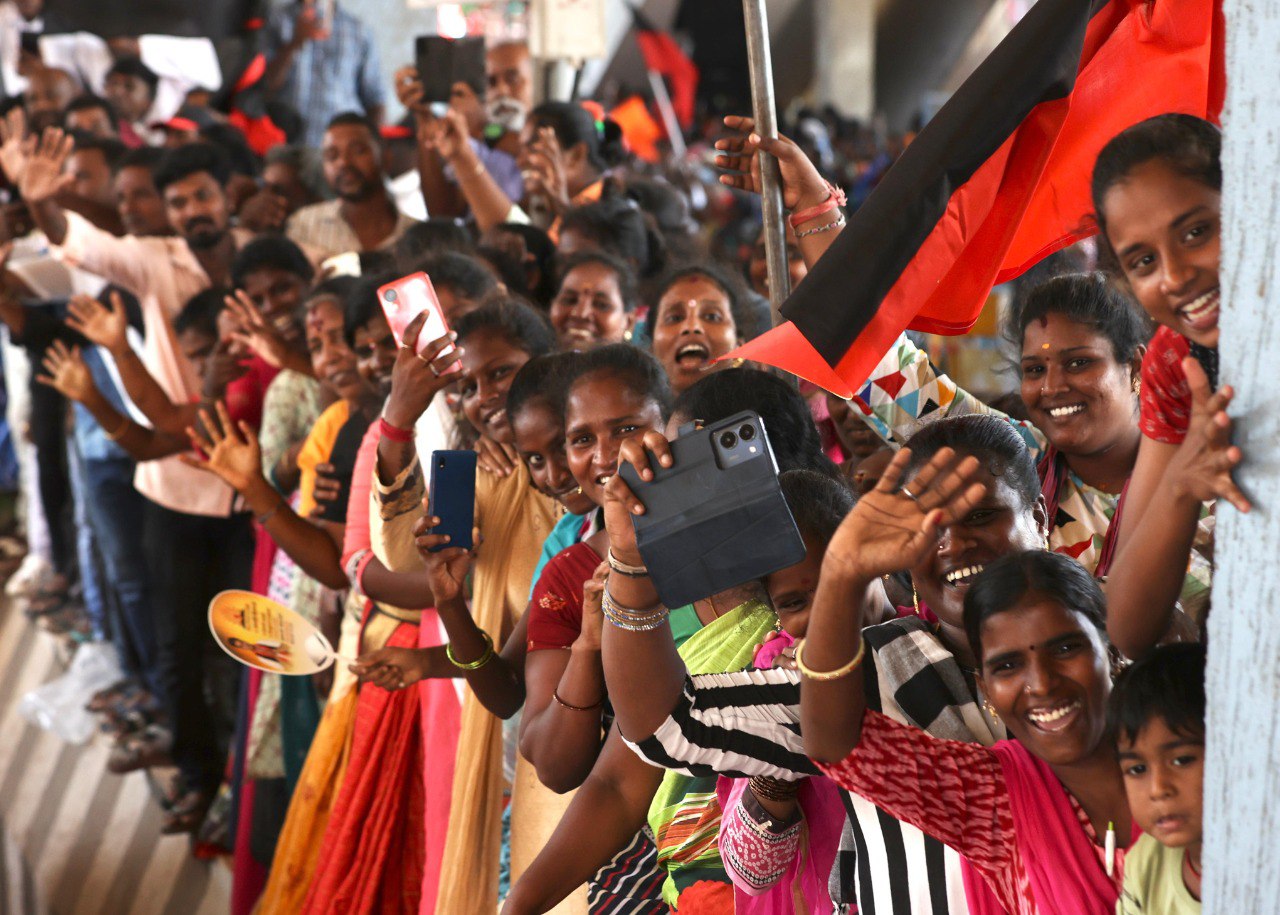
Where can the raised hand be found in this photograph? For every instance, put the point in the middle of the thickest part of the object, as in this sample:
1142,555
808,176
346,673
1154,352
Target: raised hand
66,372
447,135
447,568
265,211
13,137
547,176
894,526
802,185
43,177
410,92
256,334
620,503
225,364
1201,467
231,449
417,378
107,327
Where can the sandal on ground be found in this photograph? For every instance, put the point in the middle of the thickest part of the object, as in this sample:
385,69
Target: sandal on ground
150,747
68,619
104,699
187,812
44,602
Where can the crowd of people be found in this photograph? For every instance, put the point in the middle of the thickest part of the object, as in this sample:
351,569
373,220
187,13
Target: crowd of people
980,690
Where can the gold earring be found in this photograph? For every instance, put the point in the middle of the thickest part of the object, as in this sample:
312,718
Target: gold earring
627,336
915,598
990,709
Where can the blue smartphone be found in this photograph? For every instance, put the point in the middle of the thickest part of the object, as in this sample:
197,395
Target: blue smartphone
452,496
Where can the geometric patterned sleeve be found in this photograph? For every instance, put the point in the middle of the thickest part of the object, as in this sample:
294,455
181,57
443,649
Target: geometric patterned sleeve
952,791
904,392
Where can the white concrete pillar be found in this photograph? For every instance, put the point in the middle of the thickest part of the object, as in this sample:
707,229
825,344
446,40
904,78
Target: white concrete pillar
845,54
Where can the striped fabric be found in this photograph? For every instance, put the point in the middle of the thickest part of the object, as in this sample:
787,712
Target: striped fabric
748,723
78,840
631,883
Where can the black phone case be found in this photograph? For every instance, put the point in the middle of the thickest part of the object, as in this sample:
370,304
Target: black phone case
717,518
452,496
441,62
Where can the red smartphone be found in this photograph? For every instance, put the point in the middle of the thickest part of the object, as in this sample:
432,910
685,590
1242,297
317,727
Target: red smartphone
405,299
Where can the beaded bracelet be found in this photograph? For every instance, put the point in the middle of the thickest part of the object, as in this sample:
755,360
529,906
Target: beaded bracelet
484,659
555,694
774,789
837,223
623,568
629,619
836,674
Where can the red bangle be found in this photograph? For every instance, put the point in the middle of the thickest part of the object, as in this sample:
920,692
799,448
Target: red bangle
394,433
835,199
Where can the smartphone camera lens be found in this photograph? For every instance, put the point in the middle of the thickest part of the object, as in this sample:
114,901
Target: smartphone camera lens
747,433
390,295
728,439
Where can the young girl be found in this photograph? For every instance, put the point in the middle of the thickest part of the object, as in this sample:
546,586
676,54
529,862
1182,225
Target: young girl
1157,195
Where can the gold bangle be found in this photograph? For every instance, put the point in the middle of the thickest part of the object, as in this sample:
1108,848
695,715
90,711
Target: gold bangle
484,658
119,433
836,674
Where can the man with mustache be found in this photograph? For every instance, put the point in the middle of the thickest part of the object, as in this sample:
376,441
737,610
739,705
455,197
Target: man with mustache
364,216
196,538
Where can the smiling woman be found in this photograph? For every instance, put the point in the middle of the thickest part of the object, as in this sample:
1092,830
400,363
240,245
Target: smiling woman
595,302
1042,820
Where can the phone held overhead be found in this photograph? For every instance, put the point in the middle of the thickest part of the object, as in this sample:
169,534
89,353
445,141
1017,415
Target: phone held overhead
716,518
444,62
406,298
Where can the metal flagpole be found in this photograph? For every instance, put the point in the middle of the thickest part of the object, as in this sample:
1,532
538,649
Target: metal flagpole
762,108
669,120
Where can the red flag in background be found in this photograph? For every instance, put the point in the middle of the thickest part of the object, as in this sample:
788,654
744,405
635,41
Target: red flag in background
639,129
997,180
663,56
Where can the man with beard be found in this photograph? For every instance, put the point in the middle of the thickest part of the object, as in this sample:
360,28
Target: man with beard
363,217
196,542
490,119
49,92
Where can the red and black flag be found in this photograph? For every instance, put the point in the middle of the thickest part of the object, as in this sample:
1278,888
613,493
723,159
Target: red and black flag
665,57
997,180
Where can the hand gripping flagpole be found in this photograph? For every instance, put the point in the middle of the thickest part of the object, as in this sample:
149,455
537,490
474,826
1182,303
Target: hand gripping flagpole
762,107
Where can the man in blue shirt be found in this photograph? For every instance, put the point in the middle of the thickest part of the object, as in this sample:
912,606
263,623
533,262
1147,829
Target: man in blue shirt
323,66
